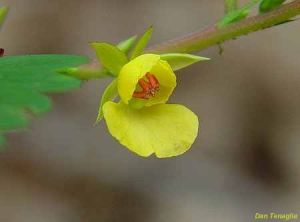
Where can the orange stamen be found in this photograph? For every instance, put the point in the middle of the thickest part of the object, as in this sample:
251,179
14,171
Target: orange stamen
149,87
152,80
144,85
140,95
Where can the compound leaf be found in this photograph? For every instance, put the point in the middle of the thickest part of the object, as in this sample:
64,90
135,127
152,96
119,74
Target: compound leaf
24,79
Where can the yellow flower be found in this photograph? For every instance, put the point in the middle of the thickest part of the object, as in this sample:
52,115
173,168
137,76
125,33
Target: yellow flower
165,130
141,120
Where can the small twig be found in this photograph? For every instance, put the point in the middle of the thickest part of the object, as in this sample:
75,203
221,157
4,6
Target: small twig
214,36
211,36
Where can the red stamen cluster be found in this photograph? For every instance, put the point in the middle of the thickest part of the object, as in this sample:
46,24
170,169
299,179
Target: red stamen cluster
149,87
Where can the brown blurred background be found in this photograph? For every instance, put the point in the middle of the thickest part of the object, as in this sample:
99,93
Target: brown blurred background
245,160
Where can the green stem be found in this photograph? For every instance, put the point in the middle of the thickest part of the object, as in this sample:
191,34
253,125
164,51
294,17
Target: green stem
209,37
212,36
230,5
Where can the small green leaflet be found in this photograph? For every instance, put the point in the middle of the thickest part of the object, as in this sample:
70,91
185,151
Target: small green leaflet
142,43
111,57
24,79
269,5
179,60
237,15
110,93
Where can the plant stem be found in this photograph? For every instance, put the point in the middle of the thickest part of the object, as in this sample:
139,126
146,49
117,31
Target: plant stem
230,5
211,36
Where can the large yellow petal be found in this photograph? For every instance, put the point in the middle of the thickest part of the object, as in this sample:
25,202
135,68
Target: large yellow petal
165,129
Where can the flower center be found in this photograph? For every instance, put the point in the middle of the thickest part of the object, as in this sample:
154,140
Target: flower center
149,87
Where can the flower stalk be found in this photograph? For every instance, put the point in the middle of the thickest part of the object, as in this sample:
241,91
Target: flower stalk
212,35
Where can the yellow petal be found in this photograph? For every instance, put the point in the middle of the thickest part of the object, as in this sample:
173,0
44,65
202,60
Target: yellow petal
132,72
167,81
165,129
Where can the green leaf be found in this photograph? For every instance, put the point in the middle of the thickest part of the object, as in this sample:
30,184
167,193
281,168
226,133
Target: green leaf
3,12
179,60
24,79
269,5
142,43
237,15
109,94
127,44
111,57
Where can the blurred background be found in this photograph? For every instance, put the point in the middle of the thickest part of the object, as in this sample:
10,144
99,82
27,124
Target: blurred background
244,161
